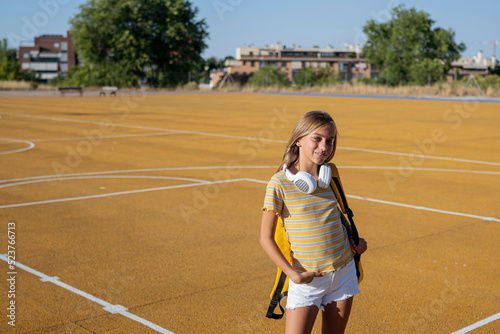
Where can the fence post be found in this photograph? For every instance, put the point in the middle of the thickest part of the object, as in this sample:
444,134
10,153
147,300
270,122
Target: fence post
386,82
429,89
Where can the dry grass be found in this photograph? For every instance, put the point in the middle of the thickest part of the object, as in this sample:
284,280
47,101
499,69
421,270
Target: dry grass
440,89
22,85
363,89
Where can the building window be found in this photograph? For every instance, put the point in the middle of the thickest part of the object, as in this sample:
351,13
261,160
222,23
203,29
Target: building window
252,64
244,62
251,53
361,75
283,64
56,45
64,46
341,66
354,75
26,55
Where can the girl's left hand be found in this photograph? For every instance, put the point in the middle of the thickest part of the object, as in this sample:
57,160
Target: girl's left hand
361,247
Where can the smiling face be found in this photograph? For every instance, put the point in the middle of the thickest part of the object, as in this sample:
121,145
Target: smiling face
317,146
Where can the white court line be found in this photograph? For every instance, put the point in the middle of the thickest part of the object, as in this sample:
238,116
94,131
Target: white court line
423,169
478,324
133,171
408,205
424,208
64,178
254,138
113,309
101,137
114,194
234,168
202,182
421,156
30,145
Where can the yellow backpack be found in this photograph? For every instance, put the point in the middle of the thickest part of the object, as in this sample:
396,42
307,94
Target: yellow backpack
280,288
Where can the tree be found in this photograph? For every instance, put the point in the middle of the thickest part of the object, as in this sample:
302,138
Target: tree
9,65
408,49
269,76
140,39
322,77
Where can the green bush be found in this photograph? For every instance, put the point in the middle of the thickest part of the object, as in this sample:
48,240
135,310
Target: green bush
191,86
269,76
323,77
490,81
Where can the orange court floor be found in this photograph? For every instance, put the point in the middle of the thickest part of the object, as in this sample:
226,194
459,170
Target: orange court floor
141,213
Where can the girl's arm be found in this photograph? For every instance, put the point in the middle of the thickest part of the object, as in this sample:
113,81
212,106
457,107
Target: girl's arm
268,226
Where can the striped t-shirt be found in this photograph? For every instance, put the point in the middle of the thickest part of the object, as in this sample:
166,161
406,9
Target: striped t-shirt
318,239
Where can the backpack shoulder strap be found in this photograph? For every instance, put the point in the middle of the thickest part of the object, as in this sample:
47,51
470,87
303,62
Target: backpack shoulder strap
280,288
337,188
342,200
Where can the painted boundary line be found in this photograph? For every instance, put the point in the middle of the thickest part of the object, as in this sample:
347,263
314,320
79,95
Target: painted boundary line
102,137
67,176
113,194
390,97
248,138
478,324
113,309
424,208
202,182
8,140
408,205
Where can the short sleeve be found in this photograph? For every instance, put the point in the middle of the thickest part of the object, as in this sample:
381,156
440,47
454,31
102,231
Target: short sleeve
274,197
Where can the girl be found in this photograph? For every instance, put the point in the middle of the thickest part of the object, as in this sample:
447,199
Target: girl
322,272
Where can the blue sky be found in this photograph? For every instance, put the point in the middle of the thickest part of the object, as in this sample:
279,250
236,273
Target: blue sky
233,23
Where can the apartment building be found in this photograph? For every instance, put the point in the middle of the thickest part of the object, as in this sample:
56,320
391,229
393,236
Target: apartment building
347,61
50,56
465,66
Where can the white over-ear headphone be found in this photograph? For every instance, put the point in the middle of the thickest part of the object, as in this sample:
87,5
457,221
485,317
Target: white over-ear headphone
306,183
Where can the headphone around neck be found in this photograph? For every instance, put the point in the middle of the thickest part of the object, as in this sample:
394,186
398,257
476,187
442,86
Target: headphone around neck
306,183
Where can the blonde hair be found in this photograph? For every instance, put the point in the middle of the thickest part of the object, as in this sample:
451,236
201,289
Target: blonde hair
307,124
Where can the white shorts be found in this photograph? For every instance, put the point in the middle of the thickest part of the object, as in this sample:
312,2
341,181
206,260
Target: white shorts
334,286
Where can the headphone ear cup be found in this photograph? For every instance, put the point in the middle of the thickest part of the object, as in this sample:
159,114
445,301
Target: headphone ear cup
325,176
305,182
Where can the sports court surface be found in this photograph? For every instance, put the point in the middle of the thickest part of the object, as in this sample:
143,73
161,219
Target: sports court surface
141,214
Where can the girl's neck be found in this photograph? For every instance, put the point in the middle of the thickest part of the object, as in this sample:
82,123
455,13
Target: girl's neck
310,168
